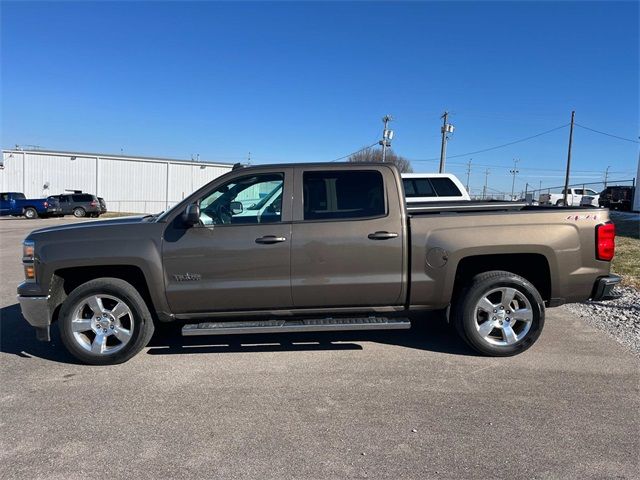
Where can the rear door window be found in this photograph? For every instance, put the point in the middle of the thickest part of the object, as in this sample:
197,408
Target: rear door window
333,195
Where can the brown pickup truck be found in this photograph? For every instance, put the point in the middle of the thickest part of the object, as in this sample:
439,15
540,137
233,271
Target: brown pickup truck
313,247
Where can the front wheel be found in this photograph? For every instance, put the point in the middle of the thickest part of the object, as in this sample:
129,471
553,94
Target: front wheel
499,314
105,321
79,212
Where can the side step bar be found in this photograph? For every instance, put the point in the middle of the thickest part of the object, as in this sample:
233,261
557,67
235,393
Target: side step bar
287,326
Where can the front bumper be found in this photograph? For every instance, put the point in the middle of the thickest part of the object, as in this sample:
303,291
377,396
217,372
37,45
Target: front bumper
603,288
37,311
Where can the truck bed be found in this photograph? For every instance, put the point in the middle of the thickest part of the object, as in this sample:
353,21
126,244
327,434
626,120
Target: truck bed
481,206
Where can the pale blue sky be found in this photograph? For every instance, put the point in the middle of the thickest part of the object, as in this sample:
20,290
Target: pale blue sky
310,81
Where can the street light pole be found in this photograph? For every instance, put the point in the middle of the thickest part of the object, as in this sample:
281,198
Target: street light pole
484,190
514,172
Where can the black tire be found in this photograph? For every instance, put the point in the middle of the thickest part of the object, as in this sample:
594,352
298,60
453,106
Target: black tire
30,213
142,328
464,312
560,203
79,212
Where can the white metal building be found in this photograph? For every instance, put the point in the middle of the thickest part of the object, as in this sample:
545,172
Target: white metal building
128,184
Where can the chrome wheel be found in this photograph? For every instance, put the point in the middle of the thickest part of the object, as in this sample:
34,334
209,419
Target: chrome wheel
102,324
503,316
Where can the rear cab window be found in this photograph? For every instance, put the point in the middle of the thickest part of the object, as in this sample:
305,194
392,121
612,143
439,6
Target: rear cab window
343,194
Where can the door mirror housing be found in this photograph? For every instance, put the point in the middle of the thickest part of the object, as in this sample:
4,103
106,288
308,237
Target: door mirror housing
191,215
236,208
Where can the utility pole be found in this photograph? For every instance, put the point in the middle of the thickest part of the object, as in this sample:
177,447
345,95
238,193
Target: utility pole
514,172
484,190
606,176
566,178
446,129
468,173
387,135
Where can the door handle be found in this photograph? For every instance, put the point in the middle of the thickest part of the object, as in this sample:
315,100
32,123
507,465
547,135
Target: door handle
269,239
382,235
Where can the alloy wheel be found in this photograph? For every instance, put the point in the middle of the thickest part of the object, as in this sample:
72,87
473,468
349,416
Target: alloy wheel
503,316
102,324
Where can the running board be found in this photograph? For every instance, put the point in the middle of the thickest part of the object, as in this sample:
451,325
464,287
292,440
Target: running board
288,326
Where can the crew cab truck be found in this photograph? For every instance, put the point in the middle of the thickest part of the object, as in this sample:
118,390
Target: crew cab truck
17,205
334,247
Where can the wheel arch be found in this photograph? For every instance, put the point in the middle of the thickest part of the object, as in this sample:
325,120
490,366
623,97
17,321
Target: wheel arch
65,280
534,267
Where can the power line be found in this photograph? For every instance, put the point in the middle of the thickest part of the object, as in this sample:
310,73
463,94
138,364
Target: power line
498,146
607,134
506,167
357,151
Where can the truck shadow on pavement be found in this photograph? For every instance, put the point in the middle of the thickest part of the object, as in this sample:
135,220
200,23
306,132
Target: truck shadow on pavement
17,337
431,334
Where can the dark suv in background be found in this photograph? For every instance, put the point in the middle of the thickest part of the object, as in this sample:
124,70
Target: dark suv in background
617,198
81,205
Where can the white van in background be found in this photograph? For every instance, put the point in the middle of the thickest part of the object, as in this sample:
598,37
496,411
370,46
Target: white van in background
433,187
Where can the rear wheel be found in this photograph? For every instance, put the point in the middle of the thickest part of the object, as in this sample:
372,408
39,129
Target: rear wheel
79,212
105,322
499,313
560,203
30,213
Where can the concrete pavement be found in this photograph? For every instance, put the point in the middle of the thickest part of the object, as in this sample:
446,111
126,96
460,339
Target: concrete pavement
405,404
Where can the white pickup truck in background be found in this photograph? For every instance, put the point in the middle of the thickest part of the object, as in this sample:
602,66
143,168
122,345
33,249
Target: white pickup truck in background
574,197
433,187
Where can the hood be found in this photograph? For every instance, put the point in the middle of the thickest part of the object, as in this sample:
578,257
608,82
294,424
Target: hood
82,226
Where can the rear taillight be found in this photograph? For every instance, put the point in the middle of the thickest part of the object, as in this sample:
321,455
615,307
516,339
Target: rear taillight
605,241
46,204
94,203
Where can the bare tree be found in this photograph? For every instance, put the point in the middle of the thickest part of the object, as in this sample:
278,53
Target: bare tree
371,154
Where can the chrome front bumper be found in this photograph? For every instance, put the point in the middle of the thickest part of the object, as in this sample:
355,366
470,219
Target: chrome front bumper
36,311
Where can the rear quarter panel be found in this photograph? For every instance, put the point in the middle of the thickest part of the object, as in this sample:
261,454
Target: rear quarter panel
566,239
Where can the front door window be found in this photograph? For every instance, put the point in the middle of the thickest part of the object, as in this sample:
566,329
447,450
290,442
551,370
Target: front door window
246,200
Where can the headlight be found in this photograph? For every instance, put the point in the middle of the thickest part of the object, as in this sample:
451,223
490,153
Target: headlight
28,250
28,256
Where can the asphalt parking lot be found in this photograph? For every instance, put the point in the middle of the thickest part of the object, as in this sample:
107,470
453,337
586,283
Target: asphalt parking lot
410,404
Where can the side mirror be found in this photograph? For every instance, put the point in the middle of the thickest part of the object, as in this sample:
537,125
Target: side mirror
236,208
191,215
